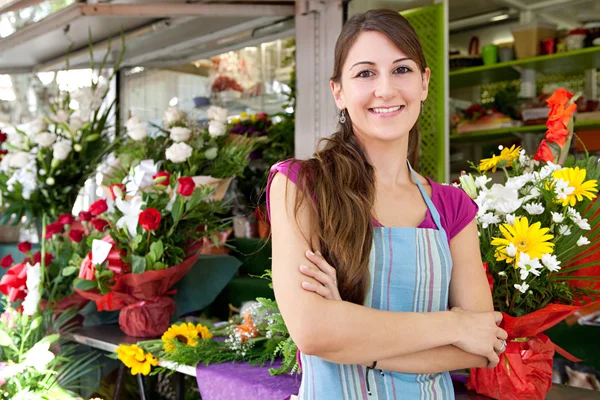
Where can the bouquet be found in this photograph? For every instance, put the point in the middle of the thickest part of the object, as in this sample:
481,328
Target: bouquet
153,224
46,162
532,228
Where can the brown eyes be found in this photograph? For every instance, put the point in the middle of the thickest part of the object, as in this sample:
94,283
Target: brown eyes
368,73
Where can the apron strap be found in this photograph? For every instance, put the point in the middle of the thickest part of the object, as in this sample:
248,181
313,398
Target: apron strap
434,212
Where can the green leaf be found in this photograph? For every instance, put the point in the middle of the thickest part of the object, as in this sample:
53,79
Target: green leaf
50,338
159,265
176,210
84,284
157,250
139,238
138,264
67,271
5,340
150,260
35,323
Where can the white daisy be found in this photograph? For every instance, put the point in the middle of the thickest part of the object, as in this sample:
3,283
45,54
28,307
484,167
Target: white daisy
528,266
564,230
522,288
557,217
582,241
534,208
551,262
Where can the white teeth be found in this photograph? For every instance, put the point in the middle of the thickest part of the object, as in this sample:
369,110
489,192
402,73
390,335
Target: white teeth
386,110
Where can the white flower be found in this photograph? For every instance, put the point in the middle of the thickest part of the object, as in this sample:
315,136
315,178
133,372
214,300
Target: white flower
482,181
39,356
100,250
20,159
573,214
180,134
75,124
488,219
50,181
77,148
142,177
583,224
28,180
510,219
136,129
216,128
523,159
562,189
548,169
502,273
217,114
511,250
557,217
515,182
32,300
550,262
582,241
61,116
564,230
131,212
179,152
532,193
32,127
45,139
61,149
504,200
534,208
172,115
522,288
528,266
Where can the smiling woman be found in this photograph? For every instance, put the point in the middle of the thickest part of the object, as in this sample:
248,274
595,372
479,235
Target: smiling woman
358,294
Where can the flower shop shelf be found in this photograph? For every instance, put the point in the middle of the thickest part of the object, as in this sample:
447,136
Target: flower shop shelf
571,61
494,134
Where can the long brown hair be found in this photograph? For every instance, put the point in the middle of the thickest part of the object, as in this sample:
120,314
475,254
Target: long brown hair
340,179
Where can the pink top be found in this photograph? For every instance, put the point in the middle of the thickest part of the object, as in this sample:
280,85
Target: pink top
455,207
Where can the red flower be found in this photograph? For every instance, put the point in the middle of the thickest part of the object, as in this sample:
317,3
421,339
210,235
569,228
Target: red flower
150,219
37,258
186,186
560,98
544,152
7,261
66,219
3,137
76,235
85,216
558,136
24,247
13,284
261,116
112,187
100,224
54,228
162,178
98,207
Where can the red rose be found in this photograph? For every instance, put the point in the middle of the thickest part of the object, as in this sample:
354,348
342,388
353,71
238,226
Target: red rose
162,178
150,219
66,219
76,235
24,247
85,216
37,258
7,261
98,207
120,187
544,152
186,186
3,137
100,224
13,284
54,228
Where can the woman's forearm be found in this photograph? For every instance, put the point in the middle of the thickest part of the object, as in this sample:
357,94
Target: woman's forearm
432,361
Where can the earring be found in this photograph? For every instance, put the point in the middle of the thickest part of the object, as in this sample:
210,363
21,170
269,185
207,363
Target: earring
343,117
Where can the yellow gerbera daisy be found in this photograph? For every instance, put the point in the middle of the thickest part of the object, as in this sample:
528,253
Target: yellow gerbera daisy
135,358
530,239
506,158
203,332
576,179
488,163
185,333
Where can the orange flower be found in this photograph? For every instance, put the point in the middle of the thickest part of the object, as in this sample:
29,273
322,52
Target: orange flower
555,124
558,136
560,97
562,114
247,330
544,152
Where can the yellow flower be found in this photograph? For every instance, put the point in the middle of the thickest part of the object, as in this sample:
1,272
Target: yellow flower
254,118
244,116
135,358
203,332
185,333
530,239
235,120
576,179
505,159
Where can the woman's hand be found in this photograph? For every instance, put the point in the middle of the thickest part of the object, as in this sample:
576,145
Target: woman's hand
324,275
480,334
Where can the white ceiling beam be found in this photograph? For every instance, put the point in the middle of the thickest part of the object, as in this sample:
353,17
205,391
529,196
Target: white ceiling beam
159,10
17,5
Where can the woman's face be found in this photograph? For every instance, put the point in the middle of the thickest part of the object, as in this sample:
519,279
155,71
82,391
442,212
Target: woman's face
381,89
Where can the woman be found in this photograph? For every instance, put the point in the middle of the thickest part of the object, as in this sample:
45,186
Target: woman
394,249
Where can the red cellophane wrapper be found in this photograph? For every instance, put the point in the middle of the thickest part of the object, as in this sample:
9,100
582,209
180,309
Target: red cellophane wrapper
525,368
146,308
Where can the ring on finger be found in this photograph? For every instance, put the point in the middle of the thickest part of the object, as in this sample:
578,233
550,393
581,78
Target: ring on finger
502,348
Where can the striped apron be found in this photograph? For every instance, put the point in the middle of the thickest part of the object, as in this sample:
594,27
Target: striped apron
410,271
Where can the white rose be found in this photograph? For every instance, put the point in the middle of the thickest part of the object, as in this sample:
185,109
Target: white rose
20,159
36,126
179,152
216,128
136,129
180,134
45,139
61,149
217,114
173,114
61,116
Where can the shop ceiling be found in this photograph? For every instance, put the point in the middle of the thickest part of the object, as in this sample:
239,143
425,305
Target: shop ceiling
160,33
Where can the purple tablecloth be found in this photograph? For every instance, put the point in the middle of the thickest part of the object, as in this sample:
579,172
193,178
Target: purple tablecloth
229,381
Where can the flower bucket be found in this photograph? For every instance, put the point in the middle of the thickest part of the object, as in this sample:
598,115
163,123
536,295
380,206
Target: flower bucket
220,185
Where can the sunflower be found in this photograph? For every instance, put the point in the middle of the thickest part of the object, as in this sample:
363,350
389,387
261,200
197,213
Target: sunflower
203,332
135,358
576,179
185,333
530,239
505,159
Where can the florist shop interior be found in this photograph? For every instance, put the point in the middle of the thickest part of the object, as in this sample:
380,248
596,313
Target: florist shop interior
137,138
